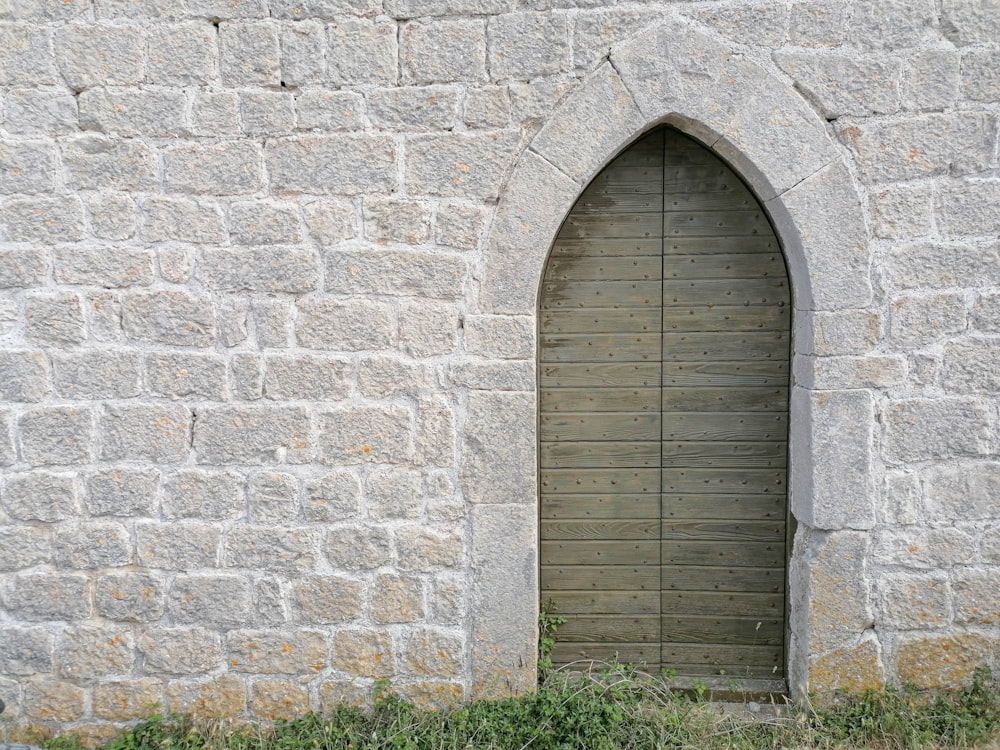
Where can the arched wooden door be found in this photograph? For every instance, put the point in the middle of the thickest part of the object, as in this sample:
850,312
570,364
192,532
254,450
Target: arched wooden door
663,375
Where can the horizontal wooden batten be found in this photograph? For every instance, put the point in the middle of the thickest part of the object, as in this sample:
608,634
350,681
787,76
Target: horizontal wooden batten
757,398
608,602
729,426
615,294
600,454
683,293
566,247
698,454
616,226
600,553
626,481
722,578
601,506
735,554
723,481
727,266
726,318
722,373
641,655
600,399
750,631
599,426
599,529
735,507
708,346
621,268
599,374
598,577
676,245
716,531
599,347
705,653
738,604
610,629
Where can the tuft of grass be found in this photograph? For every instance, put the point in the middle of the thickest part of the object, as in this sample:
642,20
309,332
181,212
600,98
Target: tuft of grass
614,708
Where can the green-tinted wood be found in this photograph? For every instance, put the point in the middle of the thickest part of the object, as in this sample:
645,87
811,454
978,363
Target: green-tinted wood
628,225
636,426
600,553
600,399
676,245
735,507
607,248
766,398
614,294
726,266
764,291
641,655
728,530
753,631
611,602
712,224
728,318
599,347
736,426
737,554
600,320
600,577
697,454
597,529
601,506
714,578
611,629
736,603
723,657
726,373
725,346
724,481
615,268
625,481
609,454
601,375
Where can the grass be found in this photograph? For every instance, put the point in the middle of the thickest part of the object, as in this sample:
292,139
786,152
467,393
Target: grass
616,709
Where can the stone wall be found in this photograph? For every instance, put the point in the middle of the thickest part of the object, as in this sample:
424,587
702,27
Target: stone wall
267,284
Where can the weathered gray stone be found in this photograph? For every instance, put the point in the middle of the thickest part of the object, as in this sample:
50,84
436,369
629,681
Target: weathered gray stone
298,9
183,55
762,24
965,208
233,311
462,165
902,501
40,496
303,50
312,377
447,600
56,435
321,109
394,493
183,375
277,549
893,24
290,269
22,266
122,492
221,601
358,548
487,108
228,168
24,547
89,652
216,113
252,435
498,462
130,597
176,545
385,377
921,320
528,45
131,112
145,432
365,653
425,549
431,653
986,312
161,10
840,85
55,319
177,318
100,55
970,365
931,79
39,597
395,272
268,113
27,167
245,379
414,108
332,164
412,8
923,429
842,332
93,545
107,267
969,21
174,263
838,373
126,700
923,548
940,264
229,9
333,497
962,492
817,23
182,651
214,697
211,495
25,58
273,496
25,651
261,223
901,211
42,219
980,79
977,596
366,434
594,33
276,652
443,51
362,51
33,111
268,602
427,329
351,325
396,221
322,600
24,376
914,600
250,54
500,336
181,219
397,599
96,374
921,146
436,431
837,492
329,221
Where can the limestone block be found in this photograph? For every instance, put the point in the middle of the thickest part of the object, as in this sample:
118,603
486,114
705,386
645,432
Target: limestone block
433,653
921,320
227,168
426,549
970,365
365,271
217,697
216,601
385,377
160,433
332,497
840,85
175,263
963,492
322,600
459,165
498,448
273,548
228,9
352,325
817,23
601,107
291,269
447,601
362,51
851,670
394,493
428,328
245,381
41,11
443,51
365,653
838,606
921,146
893,24
97,55
279,699
969,21
181,219
250,54
914,600
267,113
273,497
977,596
921,429
414,108
88,652
942,264
92,545
311,377
276,652
432,694
39,597
261,223
125,700
133,112
942,662
107,267
183,55
923,548
458,226
252,435
268,603
504,602
358,548
901,212
528,45
42,219
965,208
500,336
902,500
397,599
321,109
595,32
56,435
24,547
436,431
22,266
24,375
216,113
184,375
48,699
930,79
27,167
130,597
32,111
122,492
487,108
364,434
303,51
176,545
25,58
986,312
331,164
764,24
273,320
181,651
839,373
343,692
55,319
396,221
25,651
411,8
40,496
104,317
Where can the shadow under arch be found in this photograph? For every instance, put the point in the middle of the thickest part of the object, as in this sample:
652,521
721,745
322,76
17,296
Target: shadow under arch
678,74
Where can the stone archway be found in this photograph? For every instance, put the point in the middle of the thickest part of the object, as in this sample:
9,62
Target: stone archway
678,74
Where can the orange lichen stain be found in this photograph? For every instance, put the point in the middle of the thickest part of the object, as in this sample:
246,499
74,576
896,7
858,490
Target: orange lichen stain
234,662
853,132
117,595
116,641
366,449
914,550
148,592
915,154
465,168
287,648
163,423
319,666
354,270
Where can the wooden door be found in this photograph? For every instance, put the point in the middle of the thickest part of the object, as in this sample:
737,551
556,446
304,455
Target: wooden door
663,376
